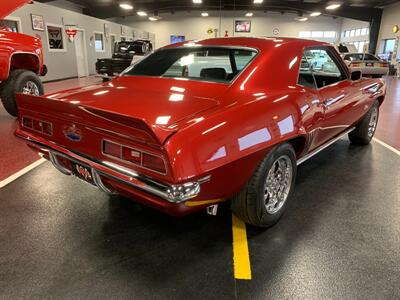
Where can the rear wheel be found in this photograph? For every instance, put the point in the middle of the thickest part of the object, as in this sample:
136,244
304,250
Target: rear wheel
366,128
263,200
20,81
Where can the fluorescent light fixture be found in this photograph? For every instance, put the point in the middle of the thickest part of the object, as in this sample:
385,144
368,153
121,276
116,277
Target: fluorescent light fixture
126,6
153,19
197,1
204,14
315,14
142,13
302,19
249,14
333,6
258,1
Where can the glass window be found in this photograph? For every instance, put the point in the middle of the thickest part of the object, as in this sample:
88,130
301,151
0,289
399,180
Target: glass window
352,33
329,34
370,57
354,57
324,67
56,38
306,78
361,46
356,44
98,42
305,34
203,63
389,45
317,34
9,25
364,31
358,32
347,33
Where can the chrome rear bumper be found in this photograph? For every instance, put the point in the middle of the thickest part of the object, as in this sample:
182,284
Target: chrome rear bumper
171,193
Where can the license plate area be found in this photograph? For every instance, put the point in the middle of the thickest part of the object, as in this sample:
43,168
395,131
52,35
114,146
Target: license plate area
369,64
83,172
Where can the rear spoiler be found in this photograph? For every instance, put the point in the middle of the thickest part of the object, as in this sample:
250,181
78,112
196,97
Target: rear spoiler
93,117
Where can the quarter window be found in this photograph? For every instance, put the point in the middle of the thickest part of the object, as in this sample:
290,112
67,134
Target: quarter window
319,68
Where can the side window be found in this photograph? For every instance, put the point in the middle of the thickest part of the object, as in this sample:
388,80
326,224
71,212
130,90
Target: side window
324,67
306,77
369,57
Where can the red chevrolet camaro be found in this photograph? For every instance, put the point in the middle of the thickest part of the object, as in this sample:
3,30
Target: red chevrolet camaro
202,122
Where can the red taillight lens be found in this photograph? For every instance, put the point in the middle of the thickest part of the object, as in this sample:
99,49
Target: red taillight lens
112,149
153,162
131,155
37,125
144,159
384,65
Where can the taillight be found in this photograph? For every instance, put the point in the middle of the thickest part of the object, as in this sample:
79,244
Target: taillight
38,125
137,157
153,162
384,65
355,65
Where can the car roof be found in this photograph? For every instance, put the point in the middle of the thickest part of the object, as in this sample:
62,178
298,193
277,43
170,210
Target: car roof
261,43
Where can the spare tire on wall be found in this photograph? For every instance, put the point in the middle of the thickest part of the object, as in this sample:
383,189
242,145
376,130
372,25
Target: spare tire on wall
142,47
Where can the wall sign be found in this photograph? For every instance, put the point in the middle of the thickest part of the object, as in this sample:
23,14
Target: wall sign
242,26
275,31
395,29
37,22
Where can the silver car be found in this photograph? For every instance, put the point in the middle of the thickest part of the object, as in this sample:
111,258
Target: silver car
369,64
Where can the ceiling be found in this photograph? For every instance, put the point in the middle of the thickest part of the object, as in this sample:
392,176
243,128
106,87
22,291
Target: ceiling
357,9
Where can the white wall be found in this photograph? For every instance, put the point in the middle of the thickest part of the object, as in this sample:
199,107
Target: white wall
390,17
63,64
192,26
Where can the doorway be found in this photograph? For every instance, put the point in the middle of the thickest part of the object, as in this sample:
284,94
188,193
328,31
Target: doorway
81,54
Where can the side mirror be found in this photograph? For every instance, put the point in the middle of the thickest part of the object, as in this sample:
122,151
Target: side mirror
356,75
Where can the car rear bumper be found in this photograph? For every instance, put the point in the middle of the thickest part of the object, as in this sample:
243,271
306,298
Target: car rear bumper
112,178
374,71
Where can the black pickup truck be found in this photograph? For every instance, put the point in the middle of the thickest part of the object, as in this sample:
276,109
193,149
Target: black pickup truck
122,57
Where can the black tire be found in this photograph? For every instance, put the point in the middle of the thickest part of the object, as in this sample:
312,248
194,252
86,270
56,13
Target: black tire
249,204
365,129
15,84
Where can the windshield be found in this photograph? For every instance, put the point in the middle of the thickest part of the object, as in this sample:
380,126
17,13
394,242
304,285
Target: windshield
204,63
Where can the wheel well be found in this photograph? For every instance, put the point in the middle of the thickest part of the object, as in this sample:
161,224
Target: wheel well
298,144
25,61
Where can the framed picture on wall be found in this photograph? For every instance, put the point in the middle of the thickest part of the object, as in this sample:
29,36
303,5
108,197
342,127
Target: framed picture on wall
37,22
242,26
177,39
123,30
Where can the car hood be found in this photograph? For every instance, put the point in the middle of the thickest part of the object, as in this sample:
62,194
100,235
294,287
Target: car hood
9,6
157,101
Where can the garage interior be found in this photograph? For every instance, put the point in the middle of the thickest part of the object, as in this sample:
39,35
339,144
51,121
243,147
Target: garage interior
339,239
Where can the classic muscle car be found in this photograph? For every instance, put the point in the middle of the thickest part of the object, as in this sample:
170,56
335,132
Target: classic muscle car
21,61
198,123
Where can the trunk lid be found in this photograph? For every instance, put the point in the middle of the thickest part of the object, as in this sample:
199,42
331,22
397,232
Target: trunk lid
8,7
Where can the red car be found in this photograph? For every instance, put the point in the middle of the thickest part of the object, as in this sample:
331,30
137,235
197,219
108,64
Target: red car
198,123
21,61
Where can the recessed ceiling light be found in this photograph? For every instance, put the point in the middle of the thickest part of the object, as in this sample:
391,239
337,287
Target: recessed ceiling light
258,1
302,19
197,1
333,6
126,6
204,14
142,13
315,14
153,19
249,14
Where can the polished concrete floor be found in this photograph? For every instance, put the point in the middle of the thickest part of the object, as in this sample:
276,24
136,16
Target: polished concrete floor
340,239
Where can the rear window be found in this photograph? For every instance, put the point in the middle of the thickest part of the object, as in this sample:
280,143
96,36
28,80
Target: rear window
200,63
354,57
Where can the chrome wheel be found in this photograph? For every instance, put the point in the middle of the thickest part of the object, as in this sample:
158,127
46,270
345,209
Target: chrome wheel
373,122
278,183
30,88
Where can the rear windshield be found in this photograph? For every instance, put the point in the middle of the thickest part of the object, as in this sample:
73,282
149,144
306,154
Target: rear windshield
204,63
359,57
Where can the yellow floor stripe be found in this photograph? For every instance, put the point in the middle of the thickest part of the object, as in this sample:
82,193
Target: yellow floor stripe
241,259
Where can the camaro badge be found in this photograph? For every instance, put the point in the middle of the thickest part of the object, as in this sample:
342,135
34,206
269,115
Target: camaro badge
72,133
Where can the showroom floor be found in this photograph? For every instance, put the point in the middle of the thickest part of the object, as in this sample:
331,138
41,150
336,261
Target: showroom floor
340,237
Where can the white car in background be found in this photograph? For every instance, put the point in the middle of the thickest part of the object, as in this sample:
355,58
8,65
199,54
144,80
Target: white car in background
370,65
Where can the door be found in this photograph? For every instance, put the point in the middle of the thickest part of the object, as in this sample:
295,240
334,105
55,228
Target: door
81,54
338,96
